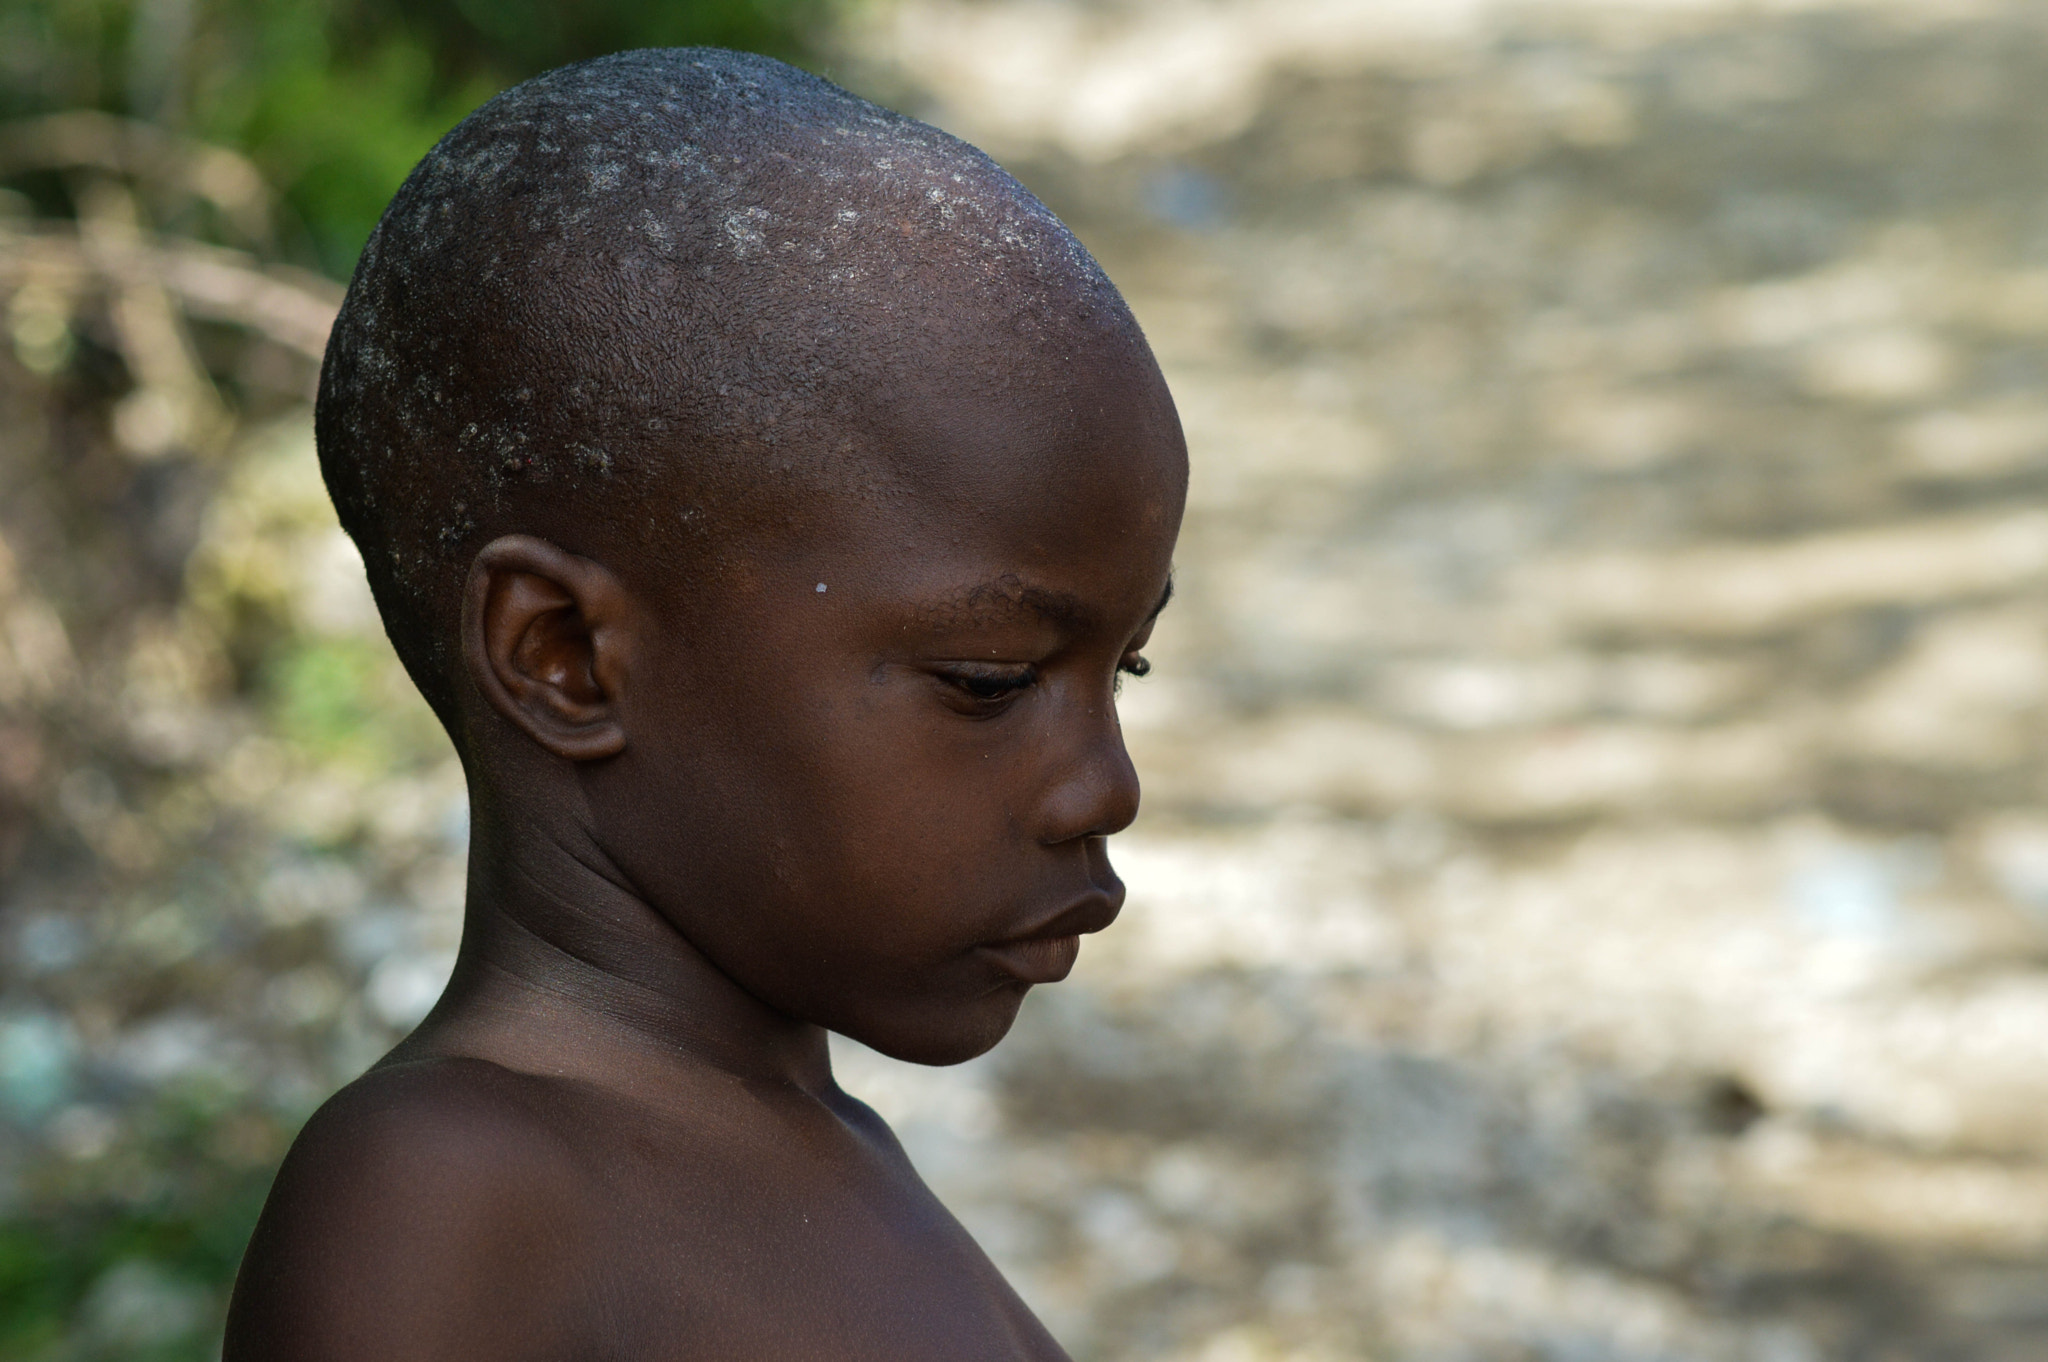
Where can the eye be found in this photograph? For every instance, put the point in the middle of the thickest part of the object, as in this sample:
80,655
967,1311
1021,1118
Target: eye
984,688
1133,663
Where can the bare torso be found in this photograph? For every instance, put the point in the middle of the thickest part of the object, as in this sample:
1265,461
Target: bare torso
449,1207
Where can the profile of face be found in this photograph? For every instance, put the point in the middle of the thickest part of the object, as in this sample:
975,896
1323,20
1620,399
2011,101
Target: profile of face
868,770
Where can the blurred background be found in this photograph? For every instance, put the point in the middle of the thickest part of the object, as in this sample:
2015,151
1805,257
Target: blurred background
1592,896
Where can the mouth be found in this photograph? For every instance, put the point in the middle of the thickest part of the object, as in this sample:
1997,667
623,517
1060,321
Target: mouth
1045,954
1039,960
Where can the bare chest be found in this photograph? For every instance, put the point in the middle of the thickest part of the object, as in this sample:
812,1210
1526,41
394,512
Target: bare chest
800,1258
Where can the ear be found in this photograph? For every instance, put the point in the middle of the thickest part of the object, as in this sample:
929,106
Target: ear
544,638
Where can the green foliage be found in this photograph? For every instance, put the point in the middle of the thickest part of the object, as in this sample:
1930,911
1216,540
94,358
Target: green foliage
329,697
277,725
336,99
141,1276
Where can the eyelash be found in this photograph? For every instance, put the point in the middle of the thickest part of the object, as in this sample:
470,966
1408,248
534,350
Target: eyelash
993,687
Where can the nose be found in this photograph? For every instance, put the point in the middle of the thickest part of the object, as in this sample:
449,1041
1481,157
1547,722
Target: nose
1096,794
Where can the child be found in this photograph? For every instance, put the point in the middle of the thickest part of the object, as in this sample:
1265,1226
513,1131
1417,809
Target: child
766,491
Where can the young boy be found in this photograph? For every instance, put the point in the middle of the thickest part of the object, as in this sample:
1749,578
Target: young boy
766,491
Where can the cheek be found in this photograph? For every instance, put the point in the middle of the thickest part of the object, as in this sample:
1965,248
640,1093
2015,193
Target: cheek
852,819
896,808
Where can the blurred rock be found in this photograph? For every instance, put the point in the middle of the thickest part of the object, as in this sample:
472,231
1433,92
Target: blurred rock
1590,900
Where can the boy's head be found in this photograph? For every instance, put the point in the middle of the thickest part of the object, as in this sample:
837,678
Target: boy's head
765,489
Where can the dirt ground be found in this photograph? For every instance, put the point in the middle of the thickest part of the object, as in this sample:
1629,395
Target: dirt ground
1591,903
1592,897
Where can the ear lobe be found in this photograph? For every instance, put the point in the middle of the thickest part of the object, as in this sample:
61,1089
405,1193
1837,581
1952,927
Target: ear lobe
543,634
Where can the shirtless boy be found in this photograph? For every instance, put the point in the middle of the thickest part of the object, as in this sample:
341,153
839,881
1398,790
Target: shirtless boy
767,492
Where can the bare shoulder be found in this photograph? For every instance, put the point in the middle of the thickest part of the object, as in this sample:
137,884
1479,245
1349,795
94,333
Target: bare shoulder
429,1210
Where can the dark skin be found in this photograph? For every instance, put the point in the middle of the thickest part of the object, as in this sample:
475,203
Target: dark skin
714,820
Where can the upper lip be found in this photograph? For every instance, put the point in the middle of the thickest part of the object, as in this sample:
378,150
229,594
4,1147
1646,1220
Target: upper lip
1091,912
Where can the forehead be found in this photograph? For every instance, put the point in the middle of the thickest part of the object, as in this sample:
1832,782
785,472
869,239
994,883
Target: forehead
978,490
1034,454
979,414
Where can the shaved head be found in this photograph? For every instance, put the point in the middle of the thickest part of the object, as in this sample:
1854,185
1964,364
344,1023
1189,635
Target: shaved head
666,300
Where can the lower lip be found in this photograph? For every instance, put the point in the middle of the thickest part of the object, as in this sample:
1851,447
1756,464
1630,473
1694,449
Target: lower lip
1044,961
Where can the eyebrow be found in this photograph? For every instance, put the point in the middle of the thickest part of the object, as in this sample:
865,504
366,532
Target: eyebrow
987,601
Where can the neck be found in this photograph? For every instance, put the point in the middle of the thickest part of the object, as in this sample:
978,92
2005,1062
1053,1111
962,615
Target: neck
565,969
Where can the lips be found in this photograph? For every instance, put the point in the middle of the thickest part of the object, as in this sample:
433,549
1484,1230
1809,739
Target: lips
1041,960
1045,954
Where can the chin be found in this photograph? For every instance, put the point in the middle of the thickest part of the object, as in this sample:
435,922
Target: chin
941,1035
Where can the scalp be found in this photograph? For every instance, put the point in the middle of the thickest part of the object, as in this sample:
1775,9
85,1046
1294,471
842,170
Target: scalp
651,297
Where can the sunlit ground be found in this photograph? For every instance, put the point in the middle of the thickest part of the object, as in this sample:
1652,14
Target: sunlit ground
1592,899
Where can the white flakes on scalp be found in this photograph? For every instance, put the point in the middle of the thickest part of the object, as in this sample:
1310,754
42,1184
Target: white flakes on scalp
743,230
709,191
